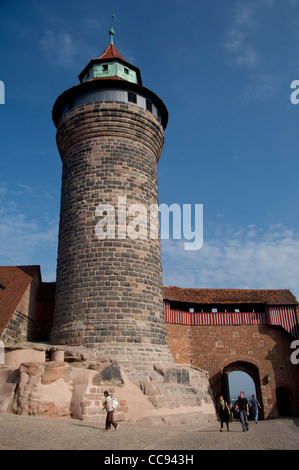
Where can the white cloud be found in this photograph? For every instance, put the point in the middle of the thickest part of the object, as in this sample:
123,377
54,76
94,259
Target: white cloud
248,58
249,258
21,239
58,48
271,3
244,15
26,238
234,39
263,88
238,42
244,50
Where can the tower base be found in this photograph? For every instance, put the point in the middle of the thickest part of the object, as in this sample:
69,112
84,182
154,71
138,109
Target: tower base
73,386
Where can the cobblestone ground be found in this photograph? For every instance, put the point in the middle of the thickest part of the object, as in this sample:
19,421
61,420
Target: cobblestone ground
36,433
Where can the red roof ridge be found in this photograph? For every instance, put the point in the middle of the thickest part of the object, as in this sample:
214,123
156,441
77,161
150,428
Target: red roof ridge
233,295
110,53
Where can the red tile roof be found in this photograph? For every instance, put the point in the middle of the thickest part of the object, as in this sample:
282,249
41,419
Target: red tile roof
14,282
229,296
114,77
110,53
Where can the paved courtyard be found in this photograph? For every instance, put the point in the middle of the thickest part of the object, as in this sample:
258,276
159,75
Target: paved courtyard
37,433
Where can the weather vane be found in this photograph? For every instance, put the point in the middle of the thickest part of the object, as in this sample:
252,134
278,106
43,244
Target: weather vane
111,31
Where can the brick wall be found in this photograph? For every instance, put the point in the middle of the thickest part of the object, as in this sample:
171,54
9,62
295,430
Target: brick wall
249,348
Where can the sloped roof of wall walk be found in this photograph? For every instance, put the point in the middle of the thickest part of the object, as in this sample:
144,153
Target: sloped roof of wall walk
229,296
14,282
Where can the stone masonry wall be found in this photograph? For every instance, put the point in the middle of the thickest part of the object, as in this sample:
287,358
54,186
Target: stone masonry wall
17,328
109,291
21,326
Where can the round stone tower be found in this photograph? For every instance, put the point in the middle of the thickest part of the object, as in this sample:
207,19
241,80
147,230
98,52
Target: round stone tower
110,135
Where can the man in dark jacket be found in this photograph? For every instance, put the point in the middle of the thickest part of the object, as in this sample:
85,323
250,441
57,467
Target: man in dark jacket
243,411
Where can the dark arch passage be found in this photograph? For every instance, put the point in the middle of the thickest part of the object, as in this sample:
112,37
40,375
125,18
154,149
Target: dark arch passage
220,384
283,401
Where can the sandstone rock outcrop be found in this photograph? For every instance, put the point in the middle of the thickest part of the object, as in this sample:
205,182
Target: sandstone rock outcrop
163,393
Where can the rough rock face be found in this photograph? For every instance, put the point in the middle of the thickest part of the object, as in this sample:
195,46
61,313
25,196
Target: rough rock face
110,374
179,388
44,389
161,393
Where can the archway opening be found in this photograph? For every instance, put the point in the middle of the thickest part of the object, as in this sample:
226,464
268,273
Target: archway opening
242,376
240,381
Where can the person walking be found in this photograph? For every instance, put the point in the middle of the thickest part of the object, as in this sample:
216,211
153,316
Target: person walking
107,405
255,406
243,411
223,413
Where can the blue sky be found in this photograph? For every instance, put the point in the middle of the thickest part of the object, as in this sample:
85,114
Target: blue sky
224,70
241,382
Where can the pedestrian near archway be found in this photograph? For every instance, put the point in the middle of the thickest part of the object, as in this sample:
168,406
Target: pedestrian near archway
107,405
223,413
243,411
255,406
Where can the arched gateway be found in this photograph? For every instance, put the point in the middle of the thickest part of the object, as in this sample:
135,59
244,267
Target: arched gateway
248,368
224,330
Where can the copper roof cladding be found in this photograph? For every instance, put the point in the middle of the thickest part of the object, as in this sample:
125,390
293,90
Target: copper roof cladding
229,296
110,54
14,280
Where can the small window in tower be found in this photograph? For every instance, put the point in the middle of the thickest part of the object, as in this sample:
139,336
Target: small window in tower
126,71
132,97
71,102
105,68
149,106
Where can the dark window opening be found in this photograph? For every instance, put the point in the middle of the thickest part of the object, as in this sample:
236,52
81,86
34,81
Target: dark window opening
105,68
149,106
126,71
219,308
132,97
283,401
71,103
